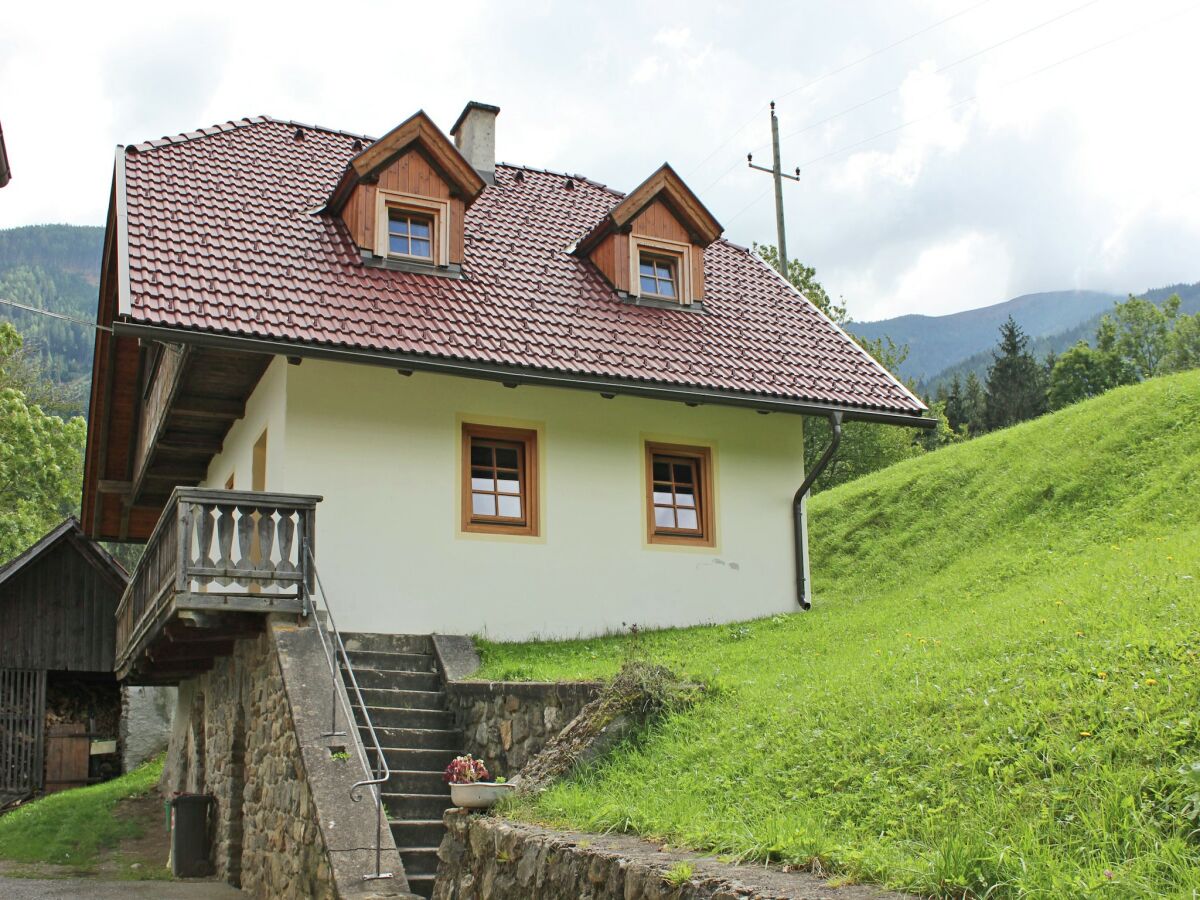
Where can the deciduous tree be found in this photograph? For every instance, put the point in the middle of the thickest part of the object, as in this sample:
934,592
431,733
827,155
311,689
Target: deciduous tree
41,458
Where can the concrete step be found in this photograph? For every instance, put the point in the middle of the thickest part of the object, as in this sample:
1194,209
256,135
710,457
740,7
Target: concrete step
416,738
419,860
415,781
403,717
417,832
418,760
397,678
385,659
401,699
390,643
401,805
421,885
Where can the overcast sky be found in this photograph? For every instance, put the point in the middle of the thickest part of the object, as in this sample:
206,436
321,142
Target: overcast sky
988,149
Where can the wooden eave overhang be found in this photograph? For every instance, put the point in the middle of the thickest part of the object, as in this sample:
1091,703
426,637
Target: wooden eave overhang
418,131
665,185
159,410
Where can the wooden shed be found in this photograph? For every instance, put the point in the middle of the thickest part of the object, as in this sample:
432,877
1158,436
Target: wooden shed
60,703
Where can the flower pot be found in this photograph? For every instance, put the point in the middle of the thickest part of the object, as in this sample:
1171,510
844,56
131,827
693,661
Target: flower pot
479,795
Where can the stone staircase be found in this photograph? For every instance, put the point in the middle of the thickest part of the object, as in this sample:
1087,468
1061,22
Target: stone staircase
402,689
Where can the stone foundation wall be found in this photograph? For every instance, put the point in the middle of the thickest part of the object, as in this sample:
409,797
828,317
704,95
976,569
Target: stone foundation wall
145,722
507,723
484,858
233,738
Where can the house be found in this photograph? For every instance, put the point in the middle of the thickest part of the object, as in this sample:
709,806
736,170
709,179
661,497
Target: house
519,402
63,719
495,376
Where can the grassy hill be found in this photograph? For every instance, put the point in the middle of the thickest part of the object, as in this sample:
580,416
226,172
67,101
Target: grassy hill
995,692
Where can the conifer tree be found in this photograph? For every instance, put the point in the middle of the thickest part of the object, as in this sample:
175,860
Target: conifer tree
1016,382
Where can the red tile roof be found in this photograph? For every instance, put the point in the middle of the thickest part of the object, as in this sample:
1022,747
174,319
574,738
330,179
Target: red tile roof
224,236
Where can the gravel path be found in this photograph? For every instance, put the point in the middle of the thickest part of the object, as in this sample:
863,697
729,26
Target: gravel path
92,889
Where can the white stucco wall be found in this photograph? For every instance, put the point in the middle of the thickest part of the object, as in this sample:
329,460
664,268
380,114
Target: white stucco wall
265,410
383,451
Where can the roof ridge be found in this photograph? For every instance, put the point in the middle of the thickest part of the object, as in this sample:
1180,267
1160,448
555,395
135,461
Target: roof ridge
170,140
575,175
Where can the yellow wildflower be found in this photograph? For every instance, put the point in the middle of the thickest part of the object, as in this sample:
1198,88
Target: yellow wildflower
1102,675
1151,682
1085,734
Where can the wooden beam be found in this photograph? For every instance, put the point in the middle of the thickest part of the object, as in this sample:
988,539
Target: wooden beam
178,474
197,446
171,652
209,408
112,486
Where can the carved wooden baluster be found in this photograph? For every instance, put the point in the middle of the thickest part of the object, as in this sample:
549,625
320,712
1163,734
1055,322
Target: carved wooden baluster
224,542
203,529
245,532
266,539
287,534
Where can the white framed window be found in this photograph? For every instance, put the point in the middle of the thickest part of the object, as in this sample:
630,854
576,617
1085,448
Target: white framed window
409,227
660,269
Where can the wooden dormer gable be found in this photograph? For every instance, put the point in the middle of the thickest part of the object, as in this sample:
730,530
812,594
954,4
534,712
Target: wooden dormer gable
651,244
404,198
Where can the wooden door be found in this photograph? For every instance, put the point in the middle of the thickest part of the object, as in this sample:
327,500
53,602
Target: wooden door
22,713
67,754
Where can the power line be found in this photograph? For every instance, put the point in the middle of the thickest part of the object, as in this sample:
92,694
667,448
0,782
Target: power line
54,315
896,89
838,71
974,97
947,67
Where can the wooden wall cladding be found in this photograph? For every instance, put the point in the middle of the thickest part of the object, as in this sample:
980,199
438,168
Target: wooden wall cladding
411,173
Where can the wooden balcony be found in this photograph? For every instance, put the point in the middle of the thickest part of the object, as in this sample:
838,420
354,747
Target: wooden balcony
216,563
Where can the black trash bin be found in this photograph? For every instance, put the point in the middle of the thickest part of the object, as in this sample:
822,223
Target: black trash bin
190,856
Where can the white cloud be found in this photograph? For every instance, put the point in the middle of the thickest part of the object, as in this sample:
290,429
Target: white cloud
971,265
1069,177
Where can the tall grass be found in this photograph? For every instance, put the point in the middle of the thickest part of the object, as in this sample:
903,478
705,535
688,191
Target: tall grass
71,827
994,694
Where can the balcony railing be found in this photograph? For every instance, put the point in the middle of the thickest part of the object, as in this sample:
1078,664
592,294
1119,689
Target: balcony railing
211,553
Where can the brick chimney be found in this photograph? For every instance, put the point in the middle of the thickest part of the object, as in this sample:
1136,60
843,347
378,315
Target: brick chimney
474,135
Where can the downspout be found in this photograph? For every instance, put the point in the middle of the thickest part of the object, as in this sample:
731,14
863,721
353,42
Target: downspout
835,421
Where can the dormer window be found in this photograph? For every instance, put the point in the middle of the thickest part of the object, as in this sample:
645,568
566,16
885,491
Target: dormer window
661,269
650,246
412,228
659,276
410,235
404,198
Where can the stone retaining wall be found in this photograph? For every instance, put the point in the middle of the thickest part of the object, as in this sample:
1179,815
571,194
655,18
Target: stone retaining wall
232,738
506,723
251,732
484,858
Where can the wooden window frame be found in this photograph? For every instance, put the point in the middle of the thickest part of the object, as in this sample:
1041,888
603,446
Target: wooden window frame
676,253
528,477
409,217
439,233
701,457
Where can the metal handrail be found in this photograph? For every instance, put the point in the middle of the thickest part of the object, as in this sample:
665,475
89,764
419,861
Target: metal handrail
384,772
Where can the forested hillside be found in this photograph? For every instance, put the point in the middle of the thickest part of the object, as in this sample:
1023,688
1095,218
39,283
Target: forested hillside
937,342
54,267
1041,346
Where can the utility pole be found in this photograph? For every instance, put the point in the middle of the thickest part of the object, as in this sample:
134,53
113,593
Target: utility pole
778,175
